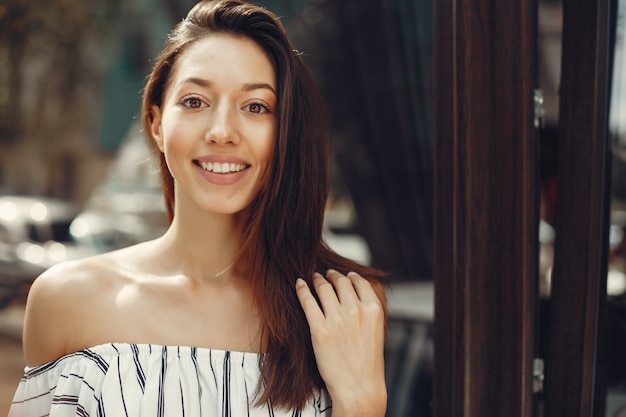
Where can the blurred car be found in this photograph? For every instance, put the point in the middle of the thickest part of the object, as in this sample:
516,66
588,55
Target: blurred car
114,218
34,235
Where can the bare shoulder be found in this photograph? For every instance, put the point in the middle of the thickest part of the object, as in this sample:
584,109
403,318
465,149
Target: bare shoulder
62,298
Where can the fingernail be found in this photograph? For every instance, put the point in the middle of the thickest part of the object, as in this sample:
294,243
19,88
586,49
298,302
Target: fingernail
330,271
300,282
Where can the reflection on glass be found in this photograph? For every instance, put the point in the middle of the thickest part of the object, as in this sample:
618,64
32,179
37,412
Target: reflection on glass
616,280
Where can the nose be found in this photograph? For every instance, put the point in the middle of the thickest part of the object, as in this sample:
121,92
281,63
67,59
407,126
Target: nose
221,126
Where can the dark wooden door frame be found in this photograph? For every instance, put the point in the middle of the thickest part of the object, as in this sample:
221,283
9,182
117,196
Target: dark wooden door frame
574,383
486,208
486,211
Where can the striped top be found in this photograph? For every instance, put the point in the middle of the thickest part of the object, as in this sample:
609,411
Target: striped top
133,380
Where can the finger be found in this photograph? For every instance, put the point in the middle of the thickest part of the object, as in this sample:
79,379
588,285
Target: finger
309,304
343,287
363,288
326,293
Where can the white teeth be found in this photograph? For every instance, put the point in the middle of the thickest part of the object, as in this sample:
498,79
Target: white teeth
222,168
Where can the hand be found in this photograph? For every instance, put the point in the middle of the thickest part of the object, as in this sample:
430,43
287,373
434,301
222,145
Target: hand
347,333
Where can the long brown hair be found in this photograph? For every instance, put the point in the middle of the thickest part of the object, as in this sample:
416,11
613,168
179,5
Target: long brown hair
282,237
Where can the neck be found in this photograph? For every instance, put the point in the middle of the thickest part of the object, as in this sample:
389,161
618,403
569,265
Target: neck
204,246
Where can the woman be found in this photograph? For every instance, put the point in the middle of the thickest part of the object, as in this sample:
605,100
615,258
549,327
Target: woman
217,316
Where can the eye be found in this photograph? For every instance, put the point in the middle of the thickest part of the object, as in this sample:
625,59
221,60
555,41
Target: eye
192,102
257,108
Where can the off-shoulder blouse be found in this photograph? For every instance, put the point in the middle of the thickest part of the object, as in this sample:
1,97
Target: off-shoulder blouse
147,380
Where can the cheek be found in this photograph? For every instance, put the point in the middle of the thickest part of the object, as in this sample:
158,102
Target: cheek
265,147
176,136
176,146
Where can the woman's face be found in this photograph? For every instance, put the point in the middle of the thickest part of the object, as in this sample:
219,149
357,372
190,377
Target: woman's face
217,123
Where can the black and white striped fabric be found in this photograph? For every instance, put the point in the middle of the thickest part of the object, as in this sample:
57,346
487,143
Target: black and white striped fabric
133,380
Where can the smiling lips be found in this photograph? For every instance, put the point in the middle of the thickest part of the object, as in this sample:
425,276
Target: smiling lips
221,167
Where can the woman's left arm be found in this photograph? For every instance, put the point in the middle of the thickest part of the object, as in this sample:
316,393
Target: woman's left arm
347,332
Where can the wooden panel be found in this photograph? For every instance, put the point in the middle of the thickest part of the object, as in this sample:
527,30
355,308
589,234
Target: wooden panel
486,211
579,278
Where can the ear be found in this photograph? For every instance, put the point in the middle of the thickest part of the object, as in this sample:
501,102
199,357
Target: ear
155,126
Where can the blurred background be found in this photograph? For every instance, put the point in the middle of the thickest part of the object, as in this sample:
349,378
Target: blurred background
76,177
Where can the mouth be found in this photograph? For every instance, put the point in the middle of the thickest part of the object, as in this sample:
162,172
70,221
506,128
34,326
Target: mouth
221,167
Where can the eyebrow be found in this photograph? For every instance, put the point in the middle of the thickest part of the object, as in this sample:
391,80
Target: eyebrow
256,86
246,87
198,81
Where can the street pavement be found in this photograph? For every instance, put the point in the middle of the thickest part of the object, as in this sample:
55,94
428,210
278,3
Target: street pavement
11,358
